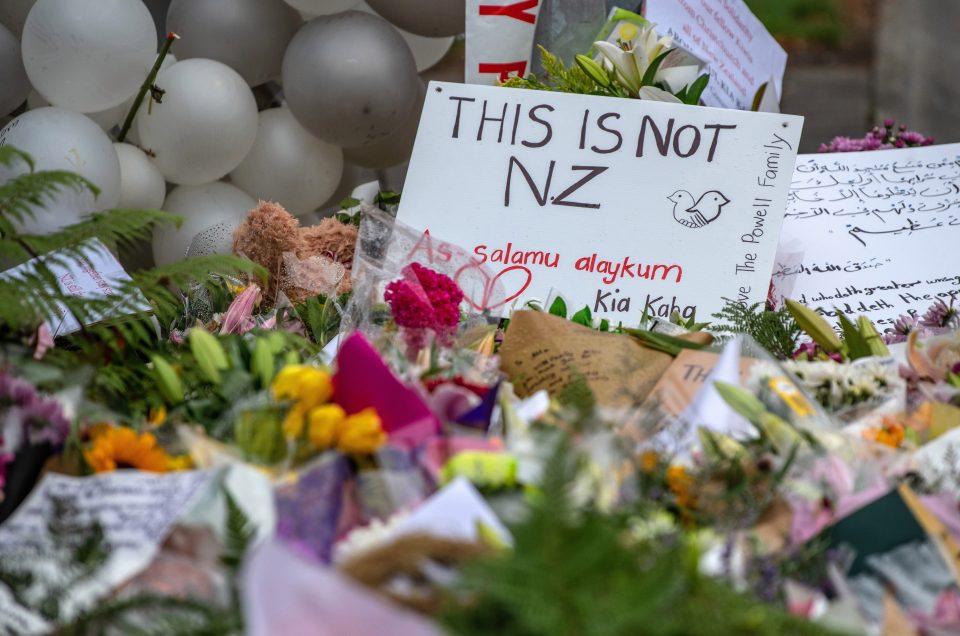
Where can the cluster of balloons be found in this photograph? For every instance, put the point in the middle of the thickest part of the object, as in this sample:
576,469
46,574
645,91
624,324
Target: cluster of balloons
340,76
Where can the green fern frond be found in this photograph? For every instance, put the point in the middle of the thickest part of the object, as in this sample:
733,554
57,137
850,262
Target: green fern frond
113,227
239,533
9,155
20,195
776,331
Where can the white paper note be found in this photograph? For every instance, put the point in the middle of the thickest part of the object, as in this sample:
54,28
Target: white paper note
136,510
873,233
623,205
741,54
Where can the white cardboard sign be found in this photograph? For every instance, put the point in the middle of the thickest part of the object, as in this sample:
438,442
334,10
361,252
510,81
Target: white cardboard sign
499,39
740,53
873,233
621,205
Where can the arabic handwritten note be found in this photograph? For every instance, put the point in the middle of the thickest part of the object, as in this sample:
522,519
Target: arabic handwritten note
872,233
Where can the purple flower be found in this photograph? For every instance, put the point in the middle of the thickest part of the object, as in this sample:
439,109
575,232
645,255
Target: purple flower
878,139
941,315
46,422
902,328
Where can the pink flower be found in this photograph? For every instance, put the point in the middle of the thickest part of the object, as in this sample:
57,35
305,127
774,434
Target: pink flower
424,300
238,318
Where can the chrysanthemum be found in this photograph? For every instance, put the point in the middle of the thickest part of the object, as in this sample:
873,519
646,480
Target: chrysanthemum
121,447
941,315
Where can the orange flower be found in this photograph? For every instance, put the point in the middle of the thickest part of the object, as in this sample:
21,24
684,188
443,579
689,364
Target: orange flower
649,460
121,447
680,481
890,434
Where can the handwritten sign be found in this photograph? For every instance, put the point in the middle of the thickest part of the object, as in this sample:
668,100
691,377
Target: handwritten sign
97,275
741,54
873,233
136,510
499,39
622,205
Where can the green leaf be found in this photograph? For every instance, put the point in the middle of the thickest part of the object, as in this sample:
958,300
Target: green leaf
583,317
854,342
651,72
695,90
559,307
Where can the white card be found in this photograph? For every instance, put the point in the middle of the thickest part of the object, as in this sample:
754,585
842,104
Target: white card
741,54
621,205
98,275
873,233
136,510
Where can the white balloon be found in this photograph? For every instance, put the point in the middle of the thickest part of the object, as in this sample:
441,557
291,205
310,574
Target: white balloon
289,165
13,78
59,139
249,36
88,55
322,7
141,184
205,125
426,51
212,210
430,18
13,13
395,148
106,119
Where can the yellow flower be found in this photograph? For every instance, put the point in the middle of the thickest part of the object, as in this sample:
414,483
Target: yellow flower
362,433
157,416
324,425
121,447
179,462
294,420
307,385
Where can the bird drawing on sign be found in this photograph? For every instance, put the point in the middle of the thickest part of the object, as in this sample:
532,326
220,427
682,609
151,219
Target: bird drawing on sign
700,213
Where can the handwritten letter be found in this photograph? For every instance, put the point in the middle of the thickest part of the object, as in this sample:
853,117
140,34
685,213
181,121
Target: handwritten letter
873,233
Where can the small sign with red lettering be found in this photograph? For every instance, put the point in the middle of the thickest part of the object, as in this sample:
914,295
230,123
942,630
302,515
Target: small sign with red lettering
623,205
499,39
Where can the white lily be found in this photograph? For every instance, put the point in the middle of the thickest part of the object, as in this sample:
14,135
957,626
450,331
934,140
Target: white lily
631,61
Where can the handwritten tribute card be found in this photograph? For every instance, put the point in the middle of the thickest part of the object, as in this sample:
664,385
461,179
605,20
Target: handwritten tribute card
741,54
873,233
135,509
98,275
621,205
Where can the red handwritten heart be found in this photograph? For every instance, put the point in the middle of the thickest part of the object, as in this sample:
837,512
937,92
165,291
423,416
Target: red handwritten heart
489,284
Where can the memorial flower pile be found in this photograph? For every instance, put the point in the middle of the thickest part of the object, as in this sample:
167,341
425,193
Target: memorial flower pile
348,424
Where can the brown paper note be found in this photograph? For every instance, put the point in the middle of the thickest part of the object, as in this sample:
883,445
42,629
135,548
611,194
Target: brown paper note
542,351
685,377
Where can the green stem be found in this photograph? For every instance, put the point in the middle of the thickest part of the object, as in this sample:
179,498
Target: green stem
151,78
